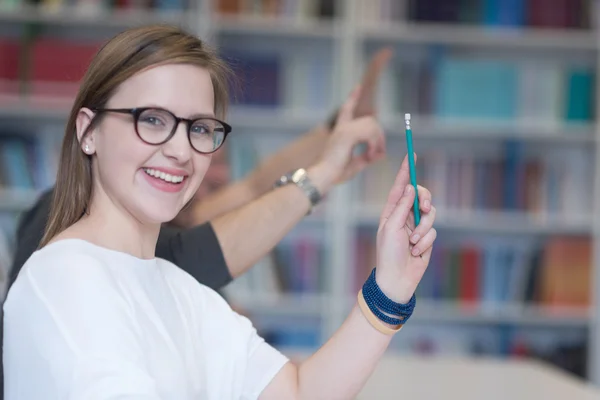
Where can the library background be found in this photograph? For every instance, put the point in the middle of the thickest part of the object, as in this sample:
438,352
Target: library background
503,98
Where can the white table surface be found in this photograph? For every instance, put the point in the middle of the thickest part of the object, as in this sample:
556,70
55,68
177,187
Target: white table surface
433,378
418,378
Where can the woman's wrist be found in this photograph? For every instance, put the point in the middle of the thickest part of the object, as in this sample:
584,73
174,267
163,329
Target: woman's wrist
322,177
394,287
385,314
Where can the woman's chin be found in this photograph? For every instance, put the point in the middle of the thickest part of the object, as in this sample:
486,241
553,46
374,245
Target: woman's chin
160,214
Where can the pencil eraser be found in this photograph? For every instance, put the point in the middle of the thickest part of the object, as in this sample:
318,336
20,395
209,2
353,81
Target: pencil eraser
407,117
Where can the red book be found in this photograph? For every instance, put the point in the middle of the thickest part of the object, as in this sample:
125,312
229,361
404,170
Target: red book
9,62
469,275
58,66
9,67
548,13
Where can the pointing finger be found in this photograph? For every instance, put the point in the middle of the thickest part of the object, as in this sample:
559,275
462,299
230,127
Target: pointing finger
347,110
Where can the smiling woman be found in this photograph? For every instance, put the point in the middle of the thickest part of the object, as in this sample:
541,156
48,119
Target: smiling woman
94,314
133,88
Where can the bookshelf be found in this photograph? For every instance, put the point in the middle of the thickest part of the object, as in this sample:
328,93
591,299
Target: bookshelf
317,61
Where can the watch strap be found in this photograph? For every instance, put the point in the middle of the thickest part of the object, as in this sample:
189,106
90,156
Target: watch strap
301,179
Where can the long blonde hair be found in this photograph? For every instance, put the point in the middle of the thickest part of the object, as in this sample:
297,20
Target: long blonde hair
120,58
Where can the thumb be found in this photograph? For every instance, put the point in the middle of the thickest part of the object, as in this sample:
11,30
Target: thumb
400,213
347,110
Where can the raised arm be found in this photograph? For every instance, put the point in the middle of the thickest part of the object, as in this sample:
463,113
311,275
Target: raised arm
341,367
299,153
303,152
249,232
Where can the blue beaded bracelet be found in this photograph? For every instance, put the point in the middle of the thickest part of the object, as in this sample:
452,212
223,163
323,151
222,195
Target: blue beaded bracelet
379,303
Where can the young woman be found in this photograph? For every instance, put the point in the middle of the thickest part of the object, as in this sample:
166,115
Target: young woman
94,315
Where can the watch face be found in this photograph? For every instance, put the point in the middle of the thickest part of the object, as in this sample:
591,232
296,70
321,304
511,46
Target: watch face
298,175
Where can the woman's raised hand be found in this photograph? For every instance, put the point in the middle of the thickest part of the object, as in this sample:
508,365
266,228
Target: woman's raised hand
403,250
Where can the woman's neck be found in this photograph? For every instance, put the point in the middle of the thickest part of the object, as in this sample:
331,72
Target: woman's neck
115,229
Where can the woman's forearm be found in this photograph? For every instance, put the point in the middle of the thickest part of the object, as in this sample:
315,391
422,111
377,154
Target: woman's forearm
301,153
340,368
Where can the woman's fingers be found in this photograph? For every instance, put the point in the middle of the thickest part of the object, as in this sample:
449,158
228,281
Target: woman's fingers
424,205
426,224
399,215
424,199
397,190
425,243
346,113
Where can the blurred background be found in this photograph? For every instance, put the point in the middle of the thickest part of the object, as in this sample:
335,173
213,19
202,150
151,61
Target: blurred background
503,98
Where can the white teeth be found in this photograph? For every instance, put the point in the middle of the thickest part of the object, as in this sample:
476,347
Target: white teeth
163,176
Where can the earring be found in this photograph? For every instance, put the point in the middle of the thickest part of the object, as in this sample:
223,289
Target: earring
87,149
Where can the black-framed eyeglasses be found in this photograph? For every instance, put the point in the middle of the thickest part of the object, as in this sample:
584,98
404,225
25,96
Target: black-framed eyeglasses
157,126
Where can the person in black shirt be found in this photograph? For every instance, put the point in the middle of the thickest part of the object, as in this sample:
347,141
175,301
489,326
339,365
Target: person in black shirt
247,218
195,250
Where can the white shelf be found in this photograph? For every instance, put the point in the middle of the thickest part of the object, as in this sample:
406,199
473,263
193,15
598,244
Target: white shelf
490,222
291,304
276,26
451,312
17,199
263,118
459,128
74,16
24,110
243,117
277,118
423,33
523,315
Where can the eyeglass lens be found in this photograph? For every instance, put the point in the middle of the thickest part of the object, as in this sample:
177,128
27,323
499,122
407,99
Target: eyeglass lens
155,126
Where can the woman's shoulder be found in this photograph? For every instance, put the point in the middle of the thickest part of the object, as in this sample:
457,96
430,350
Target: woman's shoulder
64,250
64,259
65,269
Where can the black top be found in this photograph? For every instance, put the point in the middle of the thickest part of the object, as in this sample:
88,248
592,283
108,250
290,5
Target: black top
197,250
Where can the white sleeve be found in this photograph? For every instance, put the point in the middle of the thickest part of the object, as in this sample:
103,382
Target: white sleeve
264,362
69,334
261,361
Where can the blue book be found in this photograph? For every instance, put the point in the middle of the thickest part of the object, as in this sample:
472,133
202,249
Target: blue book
258,76
504,12
512,171
483,89
580,86
15,161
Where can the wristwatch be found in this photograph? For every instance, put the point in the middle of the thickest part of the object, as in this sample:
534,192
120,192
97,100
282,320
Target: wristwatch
300,178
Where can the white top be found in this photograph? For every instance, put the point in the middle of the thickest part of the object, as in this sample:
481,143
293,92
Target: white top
85,322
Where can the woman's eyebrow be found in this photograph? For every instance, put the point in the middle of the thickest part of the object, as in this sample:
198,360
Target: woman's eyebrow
192,116
202,115
196,116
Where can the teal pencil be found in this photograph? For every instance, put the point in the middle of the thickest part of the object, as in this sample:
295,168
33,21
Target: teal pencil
412,168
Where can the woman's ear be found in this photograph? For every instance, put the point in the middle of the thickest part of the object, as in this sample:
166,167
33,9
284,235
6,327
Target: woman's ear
82,123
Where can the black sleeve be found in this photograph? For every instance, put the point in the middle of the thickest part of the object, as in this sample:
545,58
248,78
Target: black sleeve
197,251
30,232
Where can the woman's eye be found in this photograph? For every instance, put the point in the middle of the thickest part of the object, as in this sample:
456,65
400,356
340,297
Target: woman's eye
200,129
152,121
